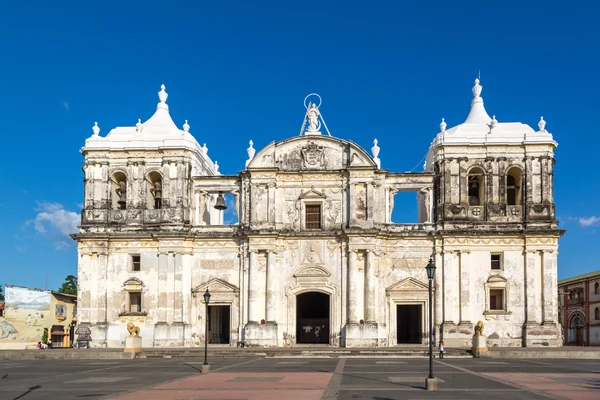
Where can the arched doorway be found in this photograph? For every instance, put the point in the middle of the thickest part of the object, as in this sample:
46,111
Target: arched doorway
576,325
312,318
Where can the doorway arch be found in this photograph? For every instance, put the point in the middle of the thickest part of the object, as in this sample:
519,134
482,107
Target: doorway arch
576,331
313,317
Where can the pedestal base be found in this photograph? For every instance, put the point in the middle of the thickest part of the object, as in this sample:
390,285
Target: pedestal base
133,344
205,368
479,345
431,384
263,335
362,335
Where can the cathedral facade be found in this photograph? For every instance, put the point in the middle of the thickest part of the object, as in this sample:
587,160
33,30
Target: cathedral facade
314,256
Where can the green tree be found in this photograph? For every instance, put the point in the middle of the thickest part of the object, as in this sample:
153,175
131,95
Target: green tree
69,286
1,294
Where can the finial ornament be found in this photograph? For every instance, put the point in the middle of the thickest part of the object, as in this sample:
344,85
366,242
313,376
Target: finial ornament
542,125
138,126
162,95
186,126
375,150
443,126
251,151
96,129
494,122
477,89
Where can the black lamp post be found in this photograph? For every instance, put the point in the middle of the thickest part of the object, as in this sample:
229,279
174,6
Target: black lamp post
205,367
431,382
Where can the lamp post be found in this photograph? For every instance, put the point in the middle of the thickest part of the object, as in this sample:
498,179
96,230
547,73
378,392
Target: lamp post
430,382
205,366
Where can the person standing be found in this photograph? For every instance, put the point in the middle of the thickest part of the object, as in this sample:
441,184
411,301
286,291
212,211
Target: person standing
441,349
318,334
35,318
28,322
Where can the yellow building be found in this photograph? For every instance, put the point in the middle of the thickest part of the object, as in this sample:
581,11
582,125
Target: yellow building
63,318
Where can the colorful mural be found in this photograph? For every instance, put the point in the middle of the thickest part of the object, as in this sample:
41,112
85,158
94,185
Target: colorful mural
25,311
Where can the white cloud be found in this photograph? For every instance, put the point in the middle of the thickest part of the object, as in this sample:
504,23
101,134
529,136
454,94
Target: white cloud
66,105
588,221
56,223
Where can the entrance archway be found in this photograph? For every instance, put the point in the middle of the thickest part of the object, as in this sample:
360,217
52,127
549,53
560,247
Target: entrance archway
312,318
576,331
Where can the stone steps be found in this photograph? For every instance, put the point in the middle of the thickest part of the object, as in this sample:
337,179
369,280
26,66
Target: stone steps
299,352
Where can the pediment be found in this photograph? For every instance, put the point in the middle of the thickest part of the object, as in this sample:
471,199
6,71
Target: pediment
216,286
408,285
311,153
496,279
312,271
312,194
133,281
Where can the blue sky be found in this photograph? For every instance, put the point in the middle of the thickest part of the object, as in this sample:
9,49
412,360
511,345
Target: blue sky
239,70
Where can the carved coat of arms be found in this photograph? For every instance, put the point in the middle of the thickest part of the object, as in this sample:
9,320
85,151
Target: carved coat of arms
312,154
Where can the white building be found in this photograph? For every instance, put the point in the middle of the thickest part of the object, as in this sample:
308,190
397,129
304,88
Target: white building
315,249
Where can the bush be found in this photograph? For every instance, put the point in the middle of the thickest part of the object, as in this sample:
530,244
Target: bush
45,336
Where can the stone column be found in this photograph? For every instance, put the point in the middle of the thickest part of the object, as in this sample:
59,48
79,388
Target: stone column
178,288
438,297
550,288
352,287
271,301
533,307
162,286
253,287
170,292
370,310
451,288
465,288
197,208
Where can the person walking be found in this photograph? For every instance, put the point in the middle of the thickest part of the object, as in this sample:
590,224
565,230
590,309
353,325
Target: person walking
318,334
441,349
35,318
28,322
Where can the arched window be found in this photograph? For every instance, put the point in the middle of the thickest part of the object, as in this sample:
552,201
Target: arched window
513,186
597,313
475,187
119,190
155,190
596,288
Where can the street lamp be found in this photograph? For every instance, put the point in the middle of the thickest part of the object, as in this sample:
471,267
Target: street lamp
430,382
205,366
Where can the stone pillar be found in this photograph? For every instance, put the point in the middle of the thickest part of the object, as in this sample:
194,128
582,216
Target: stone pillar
162,287
532,298
451,288
178,288
370,298
253,286
352,287
438,296
465,288
549,286
197,208
170,292
271,301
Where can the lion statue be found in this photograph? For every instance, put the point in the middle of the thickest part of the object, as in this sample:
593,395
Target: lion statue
479,329
133,330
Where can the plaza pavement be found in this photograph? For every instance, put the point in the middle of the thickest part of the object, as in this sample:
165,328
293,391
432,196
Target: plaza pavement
299,378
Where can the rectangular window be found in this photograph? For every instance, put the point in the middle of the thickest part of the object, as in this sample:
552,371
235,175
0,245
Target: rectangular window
496,261
135,301
497,299
136,262
313,216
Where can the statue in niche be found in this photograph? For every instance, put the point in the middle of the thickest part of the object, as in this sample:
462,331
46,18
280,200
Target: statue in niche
121,191
156,191
313,118
312,256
